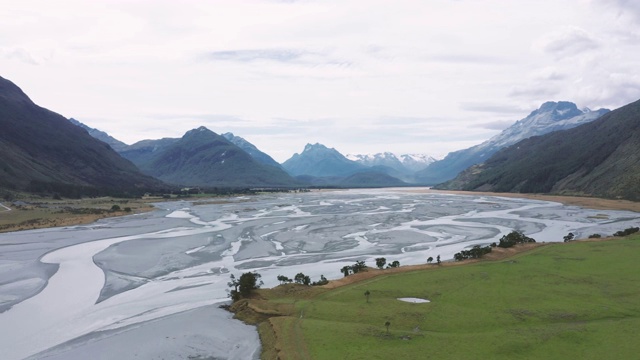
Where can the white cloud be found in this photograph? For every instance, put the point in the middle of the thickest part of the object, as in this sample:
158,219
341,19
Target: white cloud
360,76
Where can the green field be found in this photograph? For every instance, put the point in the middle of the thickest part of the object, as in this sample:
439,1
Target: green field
578,300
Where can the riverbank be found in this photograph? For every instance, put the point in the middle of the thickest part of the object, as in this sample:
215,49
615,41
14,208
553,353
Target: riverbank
38,213
292,319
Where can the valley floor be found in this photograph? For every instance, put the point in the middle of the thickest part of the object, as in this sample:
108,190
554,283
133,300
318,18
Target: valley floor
40,214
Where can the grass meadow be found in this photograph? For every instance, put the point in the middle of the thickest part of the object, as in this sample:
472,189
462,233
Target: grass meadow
577,300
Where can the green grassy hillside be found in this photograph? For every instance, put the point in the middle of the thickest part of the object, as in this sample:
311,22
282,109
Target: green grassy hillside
577,300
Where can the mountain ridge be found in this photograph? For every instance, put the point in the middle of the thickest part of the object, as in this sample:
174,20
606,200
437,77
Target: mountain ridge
599,158
42,150
551,116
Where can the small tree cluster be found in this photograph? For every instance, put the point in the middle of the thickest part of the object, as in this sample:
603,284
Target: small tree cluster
595,236
353,269
381,262
284,280
513,238
475,252
244,285
302,279
394,264
323,281
569,237
627,231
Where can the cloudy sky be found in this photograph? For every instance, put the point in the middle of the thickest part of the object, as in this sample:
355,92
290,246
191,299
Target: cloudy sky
361,76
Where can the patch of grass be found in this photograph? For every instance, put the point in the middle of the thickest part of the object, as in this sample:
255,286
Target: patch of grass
570,300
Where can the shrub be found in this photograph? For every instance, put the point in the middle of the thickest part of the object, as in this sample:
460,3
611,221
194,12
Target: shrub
627,231
513,238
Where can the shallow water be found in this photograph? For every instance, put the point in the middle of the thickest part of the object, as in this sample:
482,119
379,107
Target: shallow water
76,292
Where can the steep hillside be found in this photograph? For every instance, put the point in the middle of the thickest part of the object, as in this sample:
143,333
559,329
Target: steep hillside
144,151
204,158
600,158
551,116
115,144
43,151
251,149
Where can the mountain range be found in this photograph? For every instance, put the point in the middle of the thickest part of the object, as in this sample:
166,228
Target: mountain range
556,149
43,151
318,165
204,158
550,117
600,158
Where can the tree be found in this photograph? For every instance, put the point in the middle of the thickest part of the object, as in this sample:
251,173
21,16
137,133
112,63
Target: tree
283,279
568,237
346,270
387,324
323,281
475,252
513,238
394,264
303,279
115,208
358,266
366,294
438,259
429,260
243,286
380,262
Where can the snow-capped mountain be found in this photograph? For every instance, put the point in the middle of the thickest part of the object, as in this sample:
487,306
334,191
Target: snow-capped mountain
405,163
551,116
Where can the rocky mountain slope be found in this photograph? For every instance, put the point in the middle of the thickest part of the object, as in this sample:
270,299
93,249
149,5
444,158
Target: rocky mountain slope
600,158
43,151
115,144
550,117
251,149
204,158
321,161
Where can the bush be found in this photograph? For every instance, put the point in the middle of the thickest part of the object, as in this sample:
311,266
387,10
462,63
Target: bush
513,238
595,236
323,281
244,285
115,208
627,231
475,252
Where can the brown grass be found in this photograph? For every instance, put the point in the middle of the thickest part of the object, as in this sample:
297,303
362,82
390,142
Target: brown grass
45,213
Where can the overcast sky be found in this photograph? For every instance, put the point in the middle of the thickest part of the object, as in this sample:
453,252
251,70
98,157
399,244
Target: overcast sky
362,76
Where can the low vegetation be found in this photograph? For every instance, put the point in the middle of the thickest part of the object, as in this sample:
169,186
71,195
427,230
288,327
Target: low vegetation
571,300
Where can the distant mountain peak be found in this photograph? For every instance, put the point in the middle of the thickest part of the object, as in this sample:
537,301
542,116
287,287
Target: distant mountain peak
198,130
316,146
